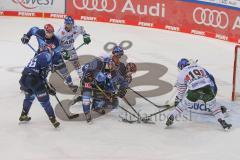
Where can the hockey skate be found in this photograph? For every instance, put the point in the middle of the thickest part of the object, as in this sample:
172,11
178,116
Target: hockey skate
224,124
170,120
55,123
88,117
24,117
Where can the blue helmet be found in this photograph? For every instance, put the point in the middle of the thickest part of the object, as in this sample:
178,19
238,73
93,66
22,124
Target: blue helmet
183,63
100,77
69,20
118,51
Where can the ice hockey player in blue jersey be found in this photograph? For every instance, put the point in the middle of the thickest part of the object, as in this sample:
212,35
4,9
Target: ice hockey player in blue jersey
34,83
45,38
48,41
104,80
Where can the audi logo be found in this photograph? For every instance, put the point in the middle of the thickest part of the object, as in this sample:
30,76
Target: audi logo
214,18
97,5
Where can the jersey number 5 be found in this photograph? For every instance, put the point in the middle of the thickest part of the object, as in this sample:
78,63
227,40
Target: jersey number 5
32,63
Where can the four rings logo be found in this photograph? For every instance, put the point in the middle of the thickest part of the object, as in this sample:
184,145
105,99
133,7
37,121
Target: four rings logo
156,10
97,5
214,18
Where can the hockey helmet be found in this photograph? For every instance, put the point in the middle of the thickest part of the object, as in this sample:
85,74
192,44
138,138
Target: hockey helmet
117,51
48,28
183,63
69,20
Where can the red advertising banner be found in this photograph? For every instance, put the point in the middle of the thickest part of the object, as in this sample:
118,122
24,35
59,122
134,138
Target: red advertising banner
175,15
194,18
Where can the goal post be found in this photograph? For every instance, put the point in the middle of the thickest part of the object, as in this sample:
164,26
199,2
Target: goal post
236,74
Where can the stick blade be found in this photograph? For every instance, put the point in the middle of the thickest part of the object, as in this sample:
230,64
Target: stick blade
73,116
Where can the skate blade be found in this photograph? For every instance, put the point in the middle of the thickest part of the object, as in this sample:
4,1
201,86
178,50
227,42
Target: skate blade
23,122
90,122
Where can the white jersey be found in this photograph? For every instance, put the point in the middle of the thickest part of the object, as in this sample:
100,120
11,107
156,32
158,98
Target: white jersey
67,39
191,78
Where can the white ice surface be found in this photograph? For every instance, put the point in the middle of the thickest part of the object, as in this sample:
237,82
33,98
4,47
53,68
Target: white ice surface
108,138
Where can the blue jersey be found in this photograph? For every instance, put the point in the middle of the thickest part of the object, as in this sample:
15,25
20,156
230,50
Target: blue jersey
39,66
95,66
109,81
43,42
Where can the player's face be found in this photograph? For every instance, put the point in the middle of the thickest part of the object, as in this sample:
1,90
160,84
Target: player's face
49,34
116,59
109,66
68,27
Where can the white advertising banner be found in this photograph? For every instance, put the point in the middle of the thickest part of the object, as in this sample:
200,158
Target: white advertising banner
230,3
50,6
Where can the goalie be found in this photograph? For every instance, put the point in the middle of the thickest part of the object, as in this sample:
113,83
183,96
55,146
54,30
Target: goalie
194,83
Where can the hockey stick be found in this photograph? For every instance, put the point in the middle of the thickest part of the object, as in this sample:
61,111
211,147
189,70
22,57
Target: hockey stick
80,46
30,46
69,116
153,114
125,99
118,105
158,106
171,97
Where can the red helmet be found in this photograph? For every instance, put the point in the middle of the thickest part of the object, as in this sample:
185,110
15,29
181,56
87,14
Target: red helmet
49,28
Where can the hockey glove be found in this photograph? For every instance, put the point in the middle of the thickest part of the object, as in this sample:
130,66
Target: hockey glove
122,92
177,101
65,55
25,39
88,76
50,90
86,38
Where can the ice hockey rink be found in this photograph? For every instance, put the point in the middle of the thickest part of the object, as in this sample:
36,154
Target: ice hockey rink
201,138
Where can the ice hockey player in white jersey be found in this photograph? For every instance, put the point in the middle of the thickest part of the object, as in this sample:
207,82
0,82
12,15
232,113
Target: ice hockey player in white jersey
67,36
194,84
